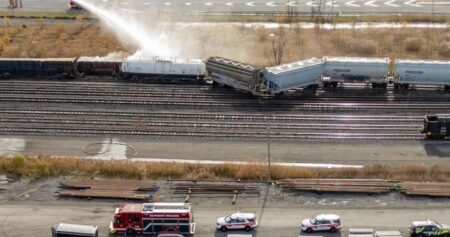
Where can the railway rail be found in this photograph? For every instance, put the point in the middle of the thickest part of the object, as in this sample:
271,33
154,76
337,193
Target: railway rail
124,109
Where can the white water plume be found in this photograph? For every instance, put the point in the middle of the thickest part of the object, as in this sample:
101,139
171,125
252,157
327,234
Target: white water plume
129,30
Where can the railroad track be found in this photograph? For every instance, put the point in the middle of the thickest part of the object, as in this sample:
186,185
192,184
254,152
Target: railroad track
125,109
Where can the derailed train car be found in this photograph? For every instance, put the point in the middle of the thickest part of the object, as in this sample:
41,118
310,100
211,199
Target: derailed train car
151,68
436,126
235,74
421,72
61,68
355,69
301,74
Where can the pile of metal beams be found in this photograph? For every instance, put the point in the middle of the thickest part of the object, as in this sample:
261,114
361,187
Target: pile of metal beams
370,186
213,188
121,189
432,189
190,188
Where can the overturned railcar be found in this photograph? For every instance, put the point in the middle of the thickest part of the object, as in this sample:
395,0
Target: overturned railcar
301,74
235,74
355,69
421,72
436,126
61,68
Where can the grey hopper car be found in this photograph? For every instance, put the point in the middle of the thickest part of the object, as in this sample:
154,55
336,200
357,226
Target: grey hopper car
301,74
235,74
420,72
38,67
436,126
355,69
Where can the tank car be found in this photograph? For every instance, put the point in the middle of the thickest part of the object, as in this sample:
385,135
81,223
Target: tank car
177,69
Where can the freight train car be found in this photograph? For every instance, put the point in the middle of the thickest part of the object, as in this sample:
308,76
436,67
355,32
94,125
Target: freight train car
436,126
94,66
235,74
166,68
301,74
61,68
354,69
421,72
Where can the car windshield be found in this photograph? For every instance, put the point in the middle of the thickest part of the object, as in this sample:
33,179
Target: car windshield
227,219
312,220
438,225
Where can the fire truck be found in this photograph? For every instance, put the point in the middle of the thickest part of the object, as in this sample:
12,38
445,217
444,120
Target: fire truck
153,218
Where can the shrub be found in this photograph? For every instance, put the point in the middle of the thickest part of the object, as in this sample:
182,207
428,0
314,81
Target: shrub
413,45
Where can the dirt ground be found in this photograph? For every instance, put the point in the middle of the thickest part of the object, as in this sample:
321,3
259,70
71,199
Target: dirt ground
34,207
249,44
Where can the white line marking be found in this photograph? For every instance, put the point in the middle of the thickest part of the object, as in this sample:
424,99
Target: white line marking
411,3
272,4
167,3
311,4
124,3
208,4
435,3
188,4
370,3
146,3
229,4
331,3
350,3
251,4
292,4
390,3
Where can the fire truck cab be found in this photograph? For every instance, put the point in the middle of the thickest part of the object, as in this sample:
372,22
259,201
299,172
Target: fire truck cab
153,218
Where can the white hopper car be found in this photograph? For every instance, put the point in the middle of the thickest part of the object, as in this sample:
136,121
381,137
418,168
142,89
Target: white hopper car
162,67
355,69
301,74
420,72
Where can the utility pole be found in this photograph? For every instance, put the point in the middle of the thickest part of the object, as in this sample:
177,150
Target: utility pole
269,171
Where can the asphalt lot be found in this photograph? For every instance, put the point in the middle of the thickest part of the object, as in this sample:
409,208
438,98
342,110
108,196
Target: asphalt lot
257,6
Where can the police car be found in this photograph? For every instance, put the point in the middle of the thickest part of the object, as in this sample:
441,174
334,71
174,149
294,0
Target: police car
245,221
428,228
322,222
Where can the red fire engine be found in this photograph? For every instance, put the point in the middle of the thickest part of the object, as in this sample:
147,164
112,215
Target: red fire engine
153,218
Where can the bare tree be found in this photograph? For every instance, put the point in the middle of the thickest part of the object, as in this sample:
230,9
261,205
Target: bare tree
279,45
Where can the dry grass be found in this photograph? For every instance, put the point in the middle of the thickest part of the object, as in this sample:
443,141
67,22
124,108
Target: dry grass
43,167
241,43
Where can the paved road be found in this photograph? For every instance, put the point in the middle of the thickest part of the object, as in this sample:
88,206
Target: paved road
35,220
258,6
336,152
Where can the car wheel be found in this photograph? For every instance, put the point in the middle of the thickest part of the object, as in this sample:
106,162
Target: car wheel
223,228
309,230
332,229
247,228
